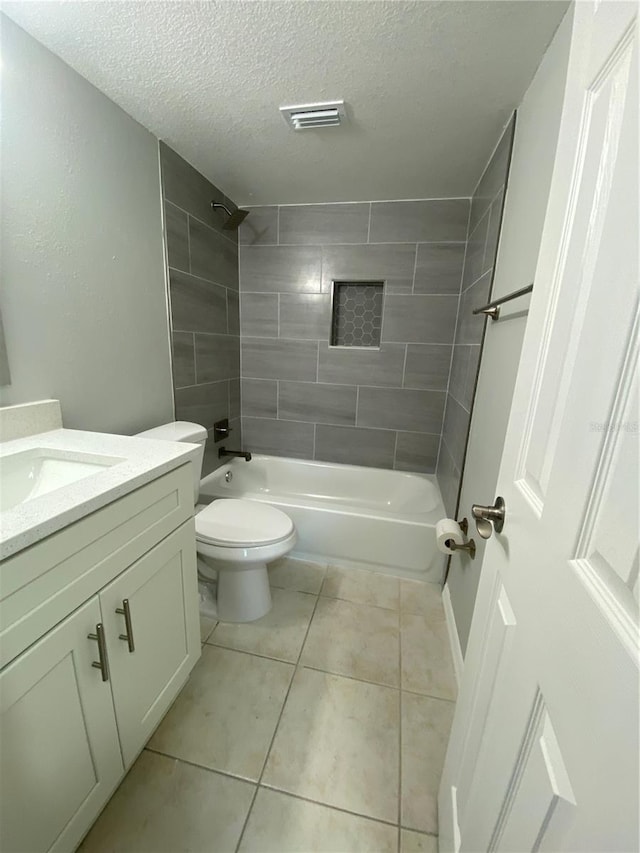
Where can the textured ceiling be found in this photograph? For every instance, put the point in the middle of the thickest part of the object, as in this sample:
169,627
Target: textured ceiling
429,85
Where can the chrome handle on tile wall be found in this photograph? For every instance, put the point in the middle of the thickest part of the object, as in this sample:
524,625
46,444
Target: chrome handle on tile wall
125,611
492,309
103,663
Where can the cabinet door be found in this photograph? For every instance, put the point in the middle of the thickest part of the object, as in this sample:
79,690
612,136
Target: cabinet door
160,594
60,757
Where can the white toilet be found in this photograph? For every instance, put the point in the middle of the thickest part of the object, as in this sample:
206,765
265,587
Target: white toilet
235,539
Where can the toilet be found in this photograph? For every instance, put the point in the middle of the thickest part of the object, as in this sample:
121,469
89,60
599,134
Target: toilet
235,539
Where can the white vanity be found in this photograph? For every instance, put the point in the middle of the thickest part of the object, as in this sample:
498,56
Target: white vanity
98,621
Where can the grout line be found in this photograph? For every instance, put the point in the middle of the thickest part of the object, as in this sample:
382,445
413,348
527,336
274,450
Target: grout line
357,404
195,366
314,440
369,223
277,726
404,366
188,245
371,201
278,225
415,267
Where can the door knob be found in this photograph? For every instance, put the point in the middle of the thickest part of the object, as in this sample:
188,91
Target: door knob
485,516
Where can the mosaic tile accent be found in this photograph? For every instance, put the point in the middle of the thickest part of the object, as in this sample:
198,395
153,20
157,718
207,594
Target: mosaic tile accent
357,314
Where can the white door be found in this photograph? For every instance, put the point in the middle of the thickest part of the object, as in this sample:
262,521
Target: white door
544,746
150,614
59,751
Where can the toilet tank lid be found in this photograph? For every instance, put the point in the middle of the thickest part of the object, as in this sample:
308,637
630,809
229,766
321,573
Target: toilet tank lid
177,431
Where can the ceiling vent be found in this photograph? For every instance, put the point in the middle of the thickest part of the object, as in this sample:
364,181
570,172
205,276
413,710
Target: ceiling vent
310,116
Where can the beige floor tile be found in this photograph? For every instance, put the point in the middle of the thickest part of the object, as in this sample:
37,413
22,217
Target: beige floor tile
427,666
299,575
163,806
425,732
337,743
417,842
280,634
362,587
420,597
206,627
226,715
355,640
282,824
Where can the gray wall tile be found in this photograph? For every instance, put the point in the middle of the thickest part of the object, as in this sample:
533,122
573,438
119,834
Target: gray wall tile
217,357
188,189
355,446
455,429
235,403
427,366
233,312
401,409
416,451
459,369
494,177
310,224
278,438
260,228
260,398
203,404
448,480
317,403
213,256
392,264
197,305
362,367
177,230
305,315
259,315
475,253
290,269
184,371
432,220
419,319
439,268
263,358
493,233
471,326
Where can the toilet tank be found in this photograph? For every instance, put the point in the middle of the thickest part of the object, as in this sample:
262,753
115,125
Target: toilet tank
183,431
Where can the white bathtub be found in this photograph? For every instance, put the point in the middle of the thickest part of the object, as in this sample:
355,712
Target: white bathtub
357,516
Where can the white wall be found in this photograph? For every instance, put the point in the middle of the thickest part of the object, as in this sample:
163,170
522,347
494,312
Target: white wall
83,290
536,136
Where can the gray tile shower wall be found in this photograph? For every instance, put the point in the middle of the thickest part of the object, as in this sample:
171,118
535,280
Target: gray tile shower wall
302,397
480,256
205,301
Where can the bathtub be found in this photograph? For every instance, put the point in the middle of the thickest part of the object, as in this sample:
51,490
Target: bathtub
352,516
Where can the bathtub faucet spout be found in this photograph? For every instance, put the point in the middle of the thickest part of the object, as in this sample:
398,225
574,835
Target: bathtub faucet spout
224,452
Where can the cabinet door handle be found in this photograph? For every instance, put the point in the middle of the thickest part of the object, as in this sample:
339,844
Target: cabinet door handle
125,611
103,663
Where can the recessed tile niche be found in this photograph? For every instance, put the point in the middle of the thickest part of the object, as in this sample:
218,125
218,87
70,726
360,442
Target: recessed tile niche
356,319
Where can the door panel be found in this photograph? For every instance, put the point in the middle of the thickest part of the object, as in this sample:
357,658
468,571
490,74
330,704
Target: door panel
161,591
557,766
60,751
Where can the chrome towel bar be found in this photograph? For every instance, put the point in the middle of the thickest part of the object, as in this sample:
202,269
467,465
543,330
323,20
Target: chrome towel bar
492,309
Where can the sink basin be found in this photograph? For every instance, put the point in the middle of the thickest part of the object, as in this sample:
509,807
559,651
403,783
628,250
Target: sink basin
32,473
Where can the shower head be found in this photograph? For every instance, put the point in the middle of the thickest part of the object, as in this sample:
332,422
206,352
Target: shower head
235,217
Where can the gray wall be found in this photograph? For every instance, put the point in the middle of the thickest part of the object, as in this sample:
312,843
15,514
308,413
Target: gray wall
304,399
482,245
534,149
83,289
203,284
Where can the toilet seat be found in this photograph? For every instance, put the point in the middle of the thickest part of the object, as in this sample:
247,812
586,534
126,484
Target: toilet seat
232,523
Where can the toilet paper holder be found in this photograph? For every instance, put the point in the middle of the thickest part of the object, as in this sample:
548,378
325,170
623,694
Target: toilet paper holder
469,547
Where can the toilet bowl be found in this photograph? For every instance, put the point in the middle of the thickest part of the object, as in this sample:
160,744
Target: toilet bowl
235,539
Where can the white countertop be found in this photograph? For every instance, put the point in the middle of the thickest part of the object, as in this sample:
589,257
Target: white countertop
144,460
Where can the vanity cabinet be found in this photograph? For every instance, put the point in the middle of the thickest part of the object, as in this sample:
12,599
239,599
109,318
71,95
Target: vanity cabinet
75,712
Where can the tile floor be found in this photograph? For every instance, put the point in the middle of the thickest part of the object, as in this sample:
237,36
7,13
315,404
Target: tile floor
321,727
